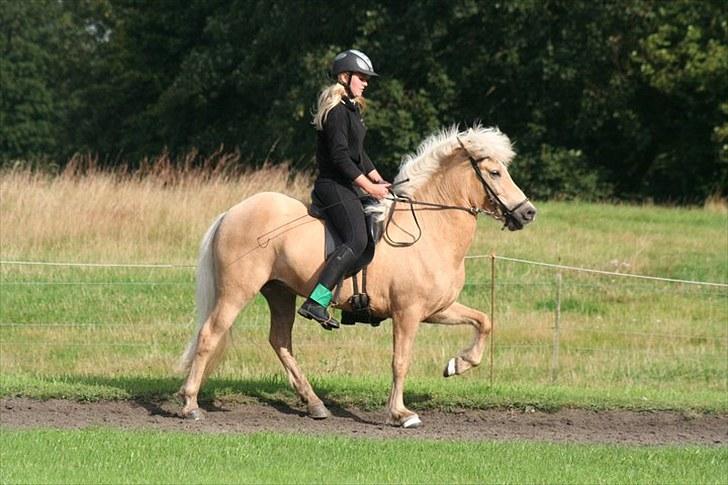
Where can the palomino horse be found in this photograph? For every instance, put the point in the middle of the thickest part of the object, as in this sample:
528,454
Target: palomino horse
268,244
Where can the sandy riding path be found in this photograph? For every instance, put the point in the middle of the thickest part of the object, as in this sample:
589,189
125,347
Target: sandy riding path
568,425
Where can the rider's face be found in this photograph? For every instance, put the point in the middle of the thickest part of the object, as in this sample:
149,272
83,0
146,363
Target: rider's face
358,83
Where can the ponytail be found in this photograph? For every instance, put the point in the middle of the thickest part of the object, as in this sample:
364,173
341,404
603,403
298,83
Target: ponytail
328,99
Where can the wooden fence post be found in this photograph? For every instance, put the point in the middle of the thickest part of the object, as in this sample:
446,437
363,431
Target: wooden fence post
492,314
557,319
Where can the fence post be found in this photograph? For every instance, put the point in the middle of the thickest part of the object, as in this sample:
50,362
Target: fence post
557,318
492,314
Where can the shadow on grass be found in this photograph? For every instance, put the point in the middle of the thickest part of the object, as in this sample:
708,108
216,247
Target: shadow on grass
273,390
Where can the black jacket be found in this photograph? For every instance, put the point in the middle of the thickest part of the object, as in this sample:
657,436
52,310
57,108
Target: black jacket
340,145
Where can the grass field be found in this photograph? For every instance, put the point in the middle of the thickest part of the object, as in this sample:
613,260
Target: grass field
108,456
99,332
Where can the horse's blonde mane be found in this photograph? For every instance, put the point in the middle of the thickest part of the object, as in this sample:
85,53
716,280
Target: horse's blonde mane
434,151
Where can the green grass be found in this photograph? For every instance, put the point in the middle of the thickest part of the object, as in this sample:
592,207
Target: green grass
369,392
112,456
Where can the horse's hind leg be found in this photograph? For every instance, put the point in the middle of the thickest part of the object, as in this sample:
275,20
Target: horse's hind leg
458,314
282,303
213,333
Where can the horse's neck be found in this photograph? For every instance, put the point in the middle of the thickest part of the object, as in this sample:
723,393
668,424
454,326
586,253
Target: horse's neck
449,231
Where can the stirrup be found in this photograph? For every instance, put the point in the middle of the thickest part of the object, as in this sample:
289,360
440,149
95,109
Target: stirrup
329,323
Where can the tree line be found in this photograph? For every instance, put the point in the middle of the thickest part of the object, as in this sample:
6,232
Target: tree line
604,99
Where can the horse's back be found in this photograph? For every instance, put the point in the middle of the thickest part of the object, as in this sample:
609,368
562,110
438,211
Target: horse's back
267,203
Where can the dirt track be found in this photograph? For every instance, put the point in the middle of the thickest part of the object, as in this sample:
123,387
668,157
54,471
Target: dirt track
568,425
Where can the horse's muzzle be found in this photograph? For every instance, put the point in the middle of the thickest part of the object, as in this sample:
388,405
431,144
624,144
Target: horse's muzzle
523,215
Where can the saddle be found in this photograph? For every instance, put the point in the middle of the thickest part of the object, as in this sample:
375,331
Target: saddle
359,301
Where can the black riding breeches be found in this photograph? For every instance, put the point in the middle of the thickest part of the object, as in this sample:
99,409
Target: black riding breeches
344,209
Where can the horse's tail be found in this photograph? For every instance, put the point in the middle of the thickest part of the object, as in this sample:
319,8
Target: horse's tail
205,299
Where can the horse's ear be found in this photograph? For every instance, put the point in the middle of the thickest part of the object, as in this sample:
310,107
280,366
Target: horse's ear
468,135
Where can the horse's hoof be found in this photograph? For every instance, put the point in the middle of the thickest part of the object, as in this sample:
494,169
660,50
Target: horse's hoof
412,422
318,411
195,415
450,368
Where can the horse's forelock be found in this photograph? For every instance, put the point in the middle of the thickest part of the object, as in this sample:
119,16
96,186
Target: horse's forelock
489,142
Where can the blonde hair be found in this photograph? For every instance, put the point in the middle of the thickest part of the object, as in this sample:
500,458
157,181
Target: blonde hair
328,98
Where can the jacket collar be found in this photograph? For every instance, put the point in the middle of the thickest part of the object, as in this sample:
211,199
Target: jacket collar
349,103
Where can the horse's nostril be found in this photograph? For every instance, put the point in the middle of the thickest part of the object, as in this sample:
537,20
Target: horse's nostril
529,214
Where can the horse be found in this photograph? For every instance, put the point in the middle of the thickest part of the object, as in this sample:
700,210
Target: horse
269,244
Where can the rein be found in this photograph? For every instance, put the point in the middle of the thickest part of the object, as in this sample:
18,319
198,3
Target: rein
501,213
401,198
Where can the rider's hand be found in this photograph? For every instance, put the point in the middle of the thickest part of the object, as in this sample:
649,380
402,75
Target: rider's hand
378,190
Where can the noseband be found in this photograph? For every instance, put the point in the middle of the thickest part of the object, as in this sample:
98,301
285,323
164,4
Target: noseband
502,212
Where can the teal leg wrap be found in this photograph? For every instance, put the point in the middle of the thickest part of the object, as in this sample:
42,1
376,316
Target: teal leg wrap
321,295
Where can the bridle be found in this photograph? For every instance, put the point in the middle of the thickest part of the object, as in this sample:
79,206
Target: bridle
500,211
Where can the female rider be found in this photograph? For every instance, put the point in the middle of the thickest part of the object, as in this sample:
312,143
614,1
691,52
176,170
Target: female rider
344,167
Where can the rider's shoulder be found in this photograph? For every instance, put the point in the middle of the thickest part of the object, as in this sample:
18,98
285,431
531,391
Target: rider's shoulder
338,114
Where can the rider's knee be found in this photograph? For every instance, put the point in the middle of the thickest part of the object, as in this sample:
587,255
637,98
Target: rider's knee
358,245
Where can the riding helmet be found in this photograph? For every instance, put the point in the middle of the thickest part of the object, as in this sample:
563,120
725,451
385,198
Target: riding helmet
352,61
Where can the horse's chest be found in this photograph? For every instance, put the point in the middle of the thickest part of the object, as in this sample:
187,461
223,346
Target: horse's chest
435,288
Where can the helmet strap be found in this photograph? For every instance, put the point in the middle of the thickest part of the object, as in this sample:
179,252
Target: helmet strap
348,85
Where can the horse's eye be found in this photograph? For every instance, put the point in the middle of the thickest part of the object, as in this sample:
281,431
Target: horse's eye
495,173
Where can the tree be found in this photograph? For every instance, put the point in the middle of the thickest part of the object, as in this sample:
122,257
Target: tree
609,99
683,62
30,108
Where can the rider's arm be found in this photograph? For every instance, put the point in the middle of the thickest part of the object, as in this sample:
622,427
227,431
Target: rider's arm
375,177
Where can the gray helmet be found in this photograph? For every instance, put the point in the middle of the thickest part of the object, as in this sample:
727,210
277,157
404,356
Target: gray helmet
352,61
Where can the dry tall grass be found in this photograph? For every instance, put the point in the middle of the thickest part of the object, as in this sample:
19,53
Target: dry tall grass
155,213
716,203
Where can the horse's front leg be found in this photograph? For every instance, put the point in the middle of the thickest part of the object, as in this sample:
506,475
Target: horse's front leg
458,314
404,330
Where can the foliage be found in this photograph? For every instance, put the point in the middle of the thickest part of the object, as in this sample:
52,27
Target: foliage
558,173
630,94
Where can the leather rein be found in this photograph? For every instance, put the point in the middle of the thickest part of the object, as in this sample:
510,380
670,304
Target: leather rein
501,212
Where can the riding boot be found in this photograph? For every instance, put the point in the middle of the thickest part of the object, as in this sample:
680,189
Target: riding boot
314,308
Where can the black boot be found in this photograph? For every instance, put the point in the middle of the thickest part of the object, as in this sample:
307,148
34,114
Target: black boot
315,311
314,308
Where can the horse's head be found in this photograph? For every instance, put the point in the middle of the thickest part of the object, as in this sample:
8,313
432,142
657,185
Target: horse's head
480,160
